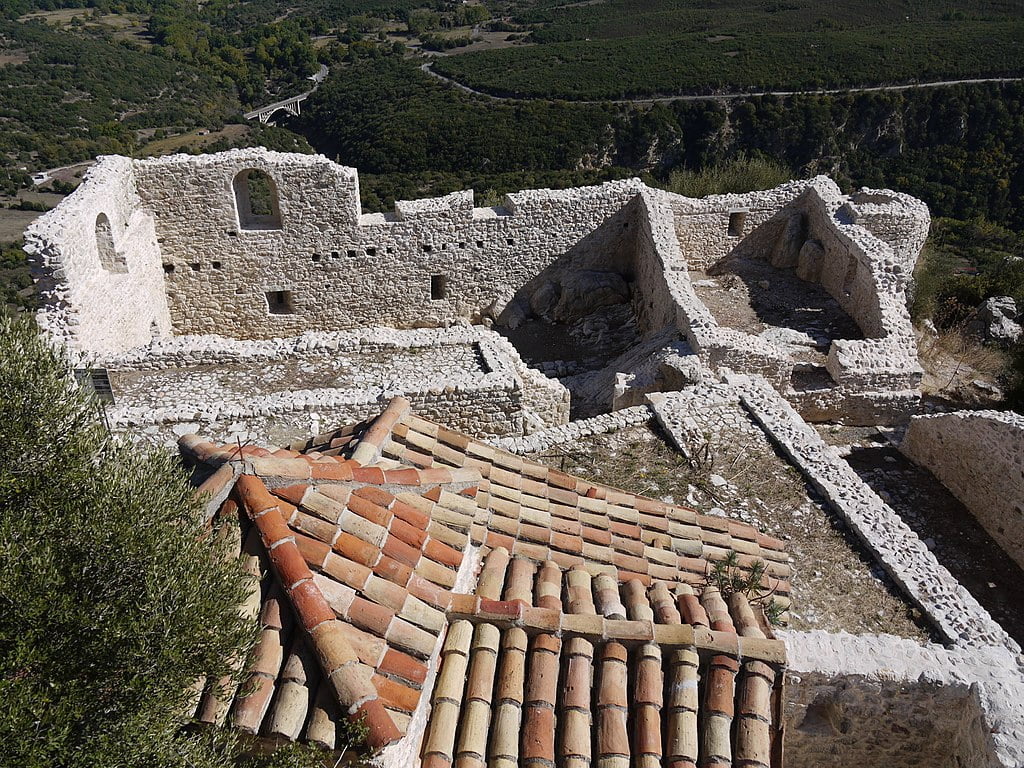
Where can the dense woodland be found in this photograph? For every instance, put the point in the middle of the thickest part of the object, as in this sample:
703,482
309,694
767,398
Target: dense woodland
624,48
960,148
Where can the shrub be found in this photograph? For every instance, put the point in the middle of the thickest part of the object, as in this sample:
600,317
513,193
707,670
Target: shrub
113,602
741,174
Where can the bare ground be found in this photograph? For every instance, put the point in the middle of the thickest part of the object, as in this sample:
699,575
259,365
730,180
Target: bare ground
835,585
750,295
943,523
192,140
13,223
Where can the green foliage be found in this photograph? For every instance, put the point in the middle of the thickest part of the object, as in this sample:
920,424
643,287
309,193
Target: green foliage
444,43
352,734
729,578
964,263
15,280
621,49
261,194
385,116
741,174
78,95
29,205
113,601
421,21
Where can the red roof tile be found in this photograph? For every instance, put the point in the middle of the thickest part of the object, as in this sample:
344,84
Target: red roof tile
596,571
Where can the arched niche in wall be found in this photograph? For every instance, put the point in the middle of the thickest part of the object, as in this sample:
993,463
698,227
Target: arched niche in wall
110,259
256,200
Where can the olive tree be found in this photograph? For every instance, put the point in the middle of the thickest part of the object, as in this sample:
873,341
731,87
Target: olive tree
114,601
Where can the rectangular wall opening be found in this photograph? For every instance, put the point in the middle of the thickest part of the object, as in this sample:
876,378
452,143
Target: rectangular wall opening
438,287
280,303
737,220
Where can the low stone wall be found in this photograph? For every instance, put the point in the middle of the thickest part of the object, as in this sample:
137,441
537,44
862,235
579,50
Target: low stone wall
869,701
501,397
955,613
979,457
574,430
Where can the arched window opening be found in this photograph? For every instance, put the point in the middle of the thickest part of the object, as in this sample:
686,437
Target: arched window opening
110,259
256,200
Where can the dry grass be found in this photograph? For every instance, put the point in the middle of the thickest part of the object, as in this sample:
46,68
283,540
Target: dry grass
192,140
13,57
953,361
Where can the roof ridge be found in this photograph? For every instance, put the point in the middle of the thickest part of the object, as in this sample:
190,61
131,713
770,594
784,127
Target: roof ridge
352,684
368,450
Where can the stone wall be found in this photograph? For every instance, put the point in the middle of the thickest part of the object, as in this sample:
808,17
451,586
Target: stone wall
861,250
96,263
666,288
499,397
713,228
200,259
954,612
328,267
876,701
979,457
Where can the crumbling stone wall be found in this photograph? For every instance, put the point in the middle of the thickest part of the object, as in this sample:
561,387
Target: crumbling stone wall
878,701
429,263
197,257
713,228
979,457
861,249
500,397
852,721
96,263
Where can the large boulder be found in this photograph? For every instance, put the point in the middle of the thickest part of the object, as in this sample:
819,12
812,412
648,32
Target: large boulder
997,320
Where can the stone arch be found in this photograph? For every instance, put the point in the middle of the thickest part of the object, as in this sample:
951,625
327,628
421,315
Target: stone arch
256,200
110,259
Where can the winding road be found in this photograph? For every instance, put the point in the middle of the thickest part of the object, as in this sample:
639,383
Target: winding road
722,96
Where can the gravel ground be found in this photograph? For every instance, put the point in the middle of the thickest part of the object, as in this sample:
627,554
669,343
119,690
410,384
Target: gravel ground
836,587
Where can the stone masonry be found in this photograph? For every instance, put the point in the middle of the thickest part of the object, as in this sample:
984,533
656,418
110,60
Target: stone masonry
247,295
153,249
979,457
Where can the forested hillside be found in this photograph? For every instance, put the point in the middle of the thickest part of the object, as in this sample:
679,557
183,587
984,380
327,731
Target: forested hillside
629,48
78,95
959,148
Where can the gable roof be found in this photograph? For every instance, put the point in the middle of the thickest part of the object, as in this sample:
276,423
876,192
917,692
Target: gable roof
368,541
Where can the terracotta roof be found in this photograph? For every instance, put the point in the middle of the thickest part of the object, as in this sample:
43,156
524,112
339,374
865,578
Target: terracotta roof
358,537
543,667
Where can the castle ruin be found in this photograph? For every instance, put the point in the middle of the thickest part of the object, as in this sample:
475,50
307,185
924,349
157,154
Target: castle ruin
245,295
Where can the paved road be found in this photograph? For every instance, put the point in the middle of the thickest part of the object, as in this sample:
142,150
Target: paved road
724,96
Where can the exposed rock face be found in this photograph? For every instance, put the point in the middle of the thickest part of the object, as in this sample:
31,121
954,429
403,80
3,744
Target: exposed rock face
997,320
788,246
590,290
